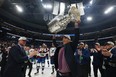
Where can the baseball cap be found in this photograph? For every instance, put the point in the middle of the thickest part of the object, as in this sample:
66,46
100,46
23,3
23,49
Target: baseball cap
109,43
81,43
97,43
67,36
22,38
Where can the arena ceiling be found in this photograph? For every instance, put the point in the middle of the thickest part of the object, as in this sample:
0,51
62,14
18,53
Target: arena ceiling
32,15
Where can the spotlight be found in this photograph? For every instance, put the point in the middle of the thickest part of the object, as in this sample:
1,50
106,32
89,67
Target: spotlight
19,8
89,18
56,8
47,6
62,8
110,9
81,8
91,2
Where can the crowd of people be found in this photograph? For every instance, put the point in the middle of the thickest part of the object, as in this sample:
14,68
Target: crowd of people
71,59
43,54
102,61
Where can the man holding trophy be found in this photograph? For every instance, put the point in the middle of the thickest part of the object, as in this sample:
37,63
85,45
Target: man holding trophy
65,63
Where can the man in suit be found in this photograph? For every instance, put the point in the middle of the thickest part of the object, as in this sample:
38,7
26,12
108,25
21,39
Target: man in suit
83,59
17,59
110,59
29,63
65,63
97,59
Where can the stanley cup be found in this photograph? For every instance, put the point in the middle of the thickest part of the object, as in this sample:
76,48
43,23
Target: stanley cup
60,22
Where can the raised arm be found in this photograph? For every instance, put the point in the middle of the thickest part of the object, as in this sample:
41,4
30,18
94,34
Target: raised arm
76,37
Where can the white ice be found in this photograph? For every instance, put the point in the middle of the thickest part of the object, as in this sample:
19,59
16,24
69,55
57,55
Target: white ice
48,70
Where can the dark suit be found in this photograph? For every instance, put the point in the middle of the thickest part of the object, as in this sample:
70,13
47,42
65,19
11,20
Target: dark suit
16,61
83,62
69,54
97,62
110,64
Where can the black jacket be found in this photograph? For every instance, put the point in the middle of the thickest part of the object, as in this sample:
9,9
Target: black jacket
69,54
113,58
97,58
16,61
113,51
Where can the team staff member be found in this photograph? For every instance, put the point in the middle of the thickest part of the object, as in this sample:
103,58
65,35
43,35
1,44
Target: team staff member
110,59
97,59
52,51
89,65
29,63
65,63
16,59
83,59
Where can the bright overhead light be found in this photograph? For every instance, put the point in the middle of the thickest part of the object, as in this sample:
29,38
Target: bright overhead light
89,18
81,8
62,8
41,0
19,8
56,8
109,10
47,6
91,2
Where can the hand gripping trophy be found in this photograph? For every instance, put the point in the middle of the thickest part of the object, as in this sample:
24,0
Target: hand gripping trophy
60,22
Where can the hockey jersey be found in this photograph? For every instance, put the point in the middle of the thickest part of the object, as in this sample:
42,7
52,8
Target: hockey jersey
42,52
52,51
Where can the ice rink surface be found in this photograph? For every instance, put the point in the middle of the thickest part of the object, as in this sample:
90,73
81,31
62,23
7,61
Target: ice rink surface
48,70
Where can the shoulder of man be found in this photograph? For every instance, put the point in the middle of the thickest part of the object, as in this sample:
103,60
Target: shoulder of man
58,48
114,49
15,47
86,50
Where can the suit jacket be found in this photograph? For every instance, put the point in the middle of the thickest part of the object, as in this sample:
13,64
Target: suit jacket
69,54
110,59
97,58
113,58
85,56
16,61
